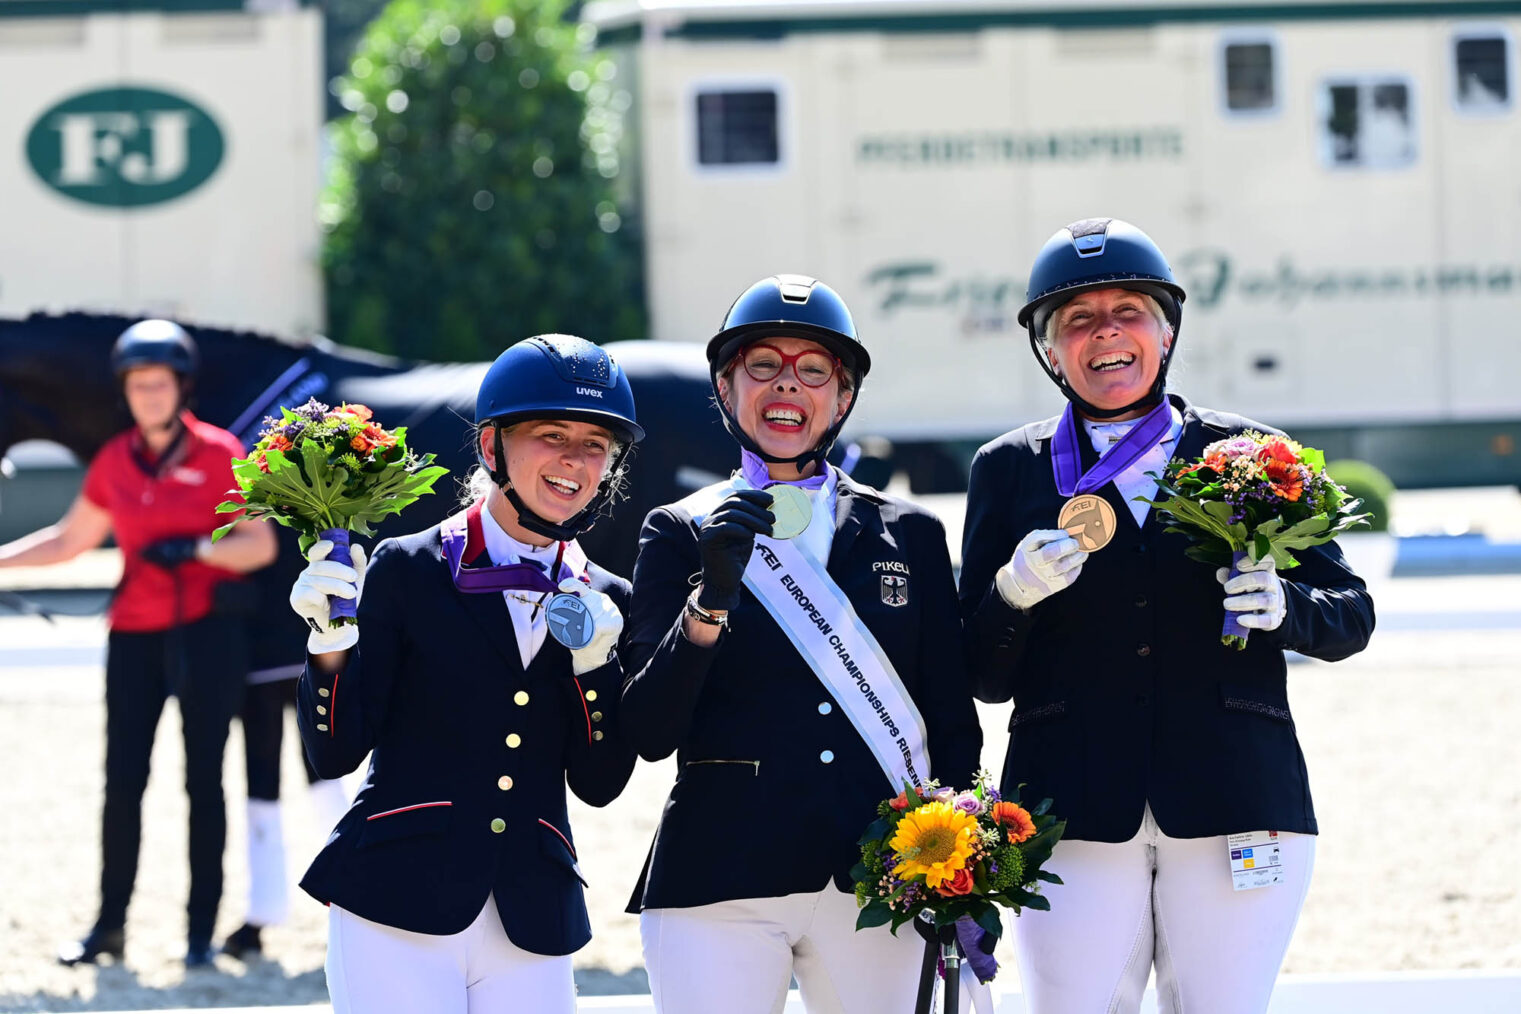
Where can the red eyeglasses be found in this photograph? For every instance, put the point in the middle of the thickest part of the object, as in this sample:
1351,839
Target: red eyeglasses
765,362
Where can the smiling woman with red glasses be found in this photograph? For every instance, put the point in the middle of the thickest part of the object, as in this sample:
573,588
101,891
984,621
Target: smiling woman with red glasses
793,636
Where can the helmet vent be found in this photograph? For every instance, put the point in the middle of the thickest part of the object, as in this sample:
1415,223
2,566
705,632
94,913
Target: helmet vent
578,360
1089,236
796,288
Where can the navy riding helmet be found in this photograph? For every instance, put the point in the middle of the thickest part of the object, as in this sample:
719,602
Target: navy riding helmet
1099,253
558,376
155,343
789,306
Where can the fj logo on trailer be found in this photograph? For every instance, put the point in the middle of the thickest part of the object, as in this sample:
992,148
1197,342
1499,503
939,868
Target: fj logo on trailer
125,147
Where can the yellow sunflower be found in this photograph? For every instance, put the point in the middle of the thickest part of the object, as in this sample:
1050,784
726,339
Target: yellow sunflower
934,840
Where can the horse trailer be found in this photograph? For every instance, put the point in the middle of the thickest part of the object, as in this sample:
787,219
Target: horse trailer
1335,182
163,158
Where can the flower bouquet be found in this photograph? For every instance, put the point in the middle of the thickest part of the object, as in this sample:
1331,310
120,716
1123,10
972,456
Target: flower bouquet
951,858
327,472
1249,497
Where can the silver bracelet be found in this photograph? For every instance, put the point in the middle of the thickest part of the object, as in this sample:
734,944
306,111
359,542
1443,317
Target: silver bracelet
704,616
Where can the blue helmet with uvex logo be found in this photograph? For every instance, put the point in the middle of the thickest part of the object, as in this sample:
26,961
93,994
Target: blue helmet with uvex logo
558,376
1099,253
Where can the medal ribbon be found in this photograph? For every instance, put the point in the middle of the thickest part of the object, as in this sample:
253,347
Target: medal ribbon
463,542
1066,460
754,470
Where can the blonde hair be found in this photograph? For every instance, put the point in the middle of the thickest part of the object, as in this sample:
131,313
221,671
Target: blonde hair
479,483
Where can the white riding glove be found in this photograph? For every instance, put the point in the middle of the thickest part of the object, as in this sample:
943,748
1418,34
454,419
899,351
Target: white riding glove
321,578
1044,562
1257,593
607,624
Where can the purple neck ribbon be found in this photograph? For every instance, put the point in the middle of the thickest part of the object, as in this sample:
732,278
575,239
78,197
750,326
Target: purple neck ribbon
464,541
1066,461
754,470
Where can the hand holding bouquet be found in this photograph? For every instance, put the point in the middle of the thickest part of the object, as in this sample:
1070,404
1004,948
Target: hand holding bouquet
953,857
327,472
1250,497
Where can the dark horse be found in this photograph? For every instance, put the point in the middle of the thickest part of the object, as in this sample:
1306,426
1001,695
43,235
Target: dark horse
55,384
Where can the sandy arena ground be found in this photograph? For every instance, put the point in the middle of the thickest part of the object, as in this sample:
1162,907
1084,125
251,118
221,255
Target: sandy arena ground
1412,749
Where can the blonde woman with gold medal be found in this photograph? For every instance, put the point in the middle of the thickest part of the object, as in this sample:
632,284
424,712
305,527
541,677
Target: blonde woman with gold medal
1163,749
794,639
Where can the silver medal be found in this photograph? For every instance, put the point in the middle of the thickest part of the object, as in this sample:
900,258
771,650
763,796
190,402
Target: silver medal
569,620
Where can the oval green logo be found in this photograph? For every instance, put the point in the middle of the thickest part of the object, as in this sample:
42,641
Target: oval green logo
124,147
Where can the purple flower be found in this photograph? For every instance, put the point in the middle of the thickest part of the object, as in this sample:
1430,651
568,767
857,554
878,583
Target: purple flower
943,795
313,410
967,802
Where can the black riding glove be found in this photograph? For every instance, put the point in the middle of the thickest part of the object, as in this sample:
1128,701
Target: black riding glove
726,540
170,553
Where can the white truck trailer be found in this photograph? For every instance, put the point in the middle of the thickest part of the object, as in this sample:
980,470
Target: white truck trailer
1337,182
162,157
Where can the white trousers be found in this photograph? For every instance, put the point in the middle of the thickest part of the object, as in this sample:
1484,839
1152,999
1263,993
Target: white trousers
739,957
376,969
1169,901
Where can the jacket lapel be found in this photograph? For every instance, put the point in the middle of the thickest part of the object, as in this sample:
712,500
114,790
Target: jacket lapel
489,611
856,507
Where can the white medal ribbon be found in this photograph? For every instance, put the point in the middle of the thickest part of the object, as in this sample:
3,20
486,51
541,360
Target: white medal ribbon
810,607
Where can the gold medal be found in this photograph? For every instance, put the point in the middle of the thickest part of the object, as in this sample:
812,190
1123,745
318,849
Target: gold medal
792,509
1089,519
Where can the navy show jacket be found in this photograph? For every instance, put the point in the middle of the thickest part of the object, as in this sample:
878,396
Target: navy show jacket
1123,693
774,785
465,794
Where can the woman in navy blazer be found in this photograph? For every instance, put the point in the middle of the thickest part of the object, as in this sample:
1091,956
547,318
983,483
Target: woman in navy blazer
747,883
1155,741
453,880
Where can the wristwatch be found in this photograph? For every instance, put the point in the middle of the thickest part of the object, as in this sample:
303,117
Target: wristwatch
701,615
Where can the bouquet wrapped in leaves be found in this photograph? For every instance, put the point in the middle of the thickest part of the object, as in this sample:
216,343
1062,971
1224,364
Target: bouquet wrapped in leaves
1252,496
327,472
953,858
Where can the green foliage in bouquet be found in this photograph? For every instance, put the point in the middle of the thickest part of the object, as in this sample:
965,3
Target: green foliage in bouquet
1259,494
954,853
317,468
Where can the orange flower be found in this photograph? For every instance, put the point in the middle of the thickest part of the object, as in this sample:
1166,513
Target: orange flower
899,802
379,436
1016,818
262,463
1277,449
362,443
961,883
360,412
279,442
1285,478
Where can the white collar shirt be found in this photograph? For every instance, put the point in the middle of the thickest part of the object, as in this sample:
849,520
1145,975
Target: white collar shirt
818,538
525,608
1134,482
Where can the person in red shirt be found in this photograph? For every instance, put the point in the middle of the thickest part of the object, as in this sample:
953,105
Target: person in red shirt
155,488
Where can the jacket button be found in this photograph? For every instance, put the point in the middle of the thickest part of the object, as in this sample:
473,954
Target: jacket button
591,695
520,698
596,716
321,728
504,783
321,710
827,757
597,735
498,825
1140,601
825,707
514,741
1143,650
322,691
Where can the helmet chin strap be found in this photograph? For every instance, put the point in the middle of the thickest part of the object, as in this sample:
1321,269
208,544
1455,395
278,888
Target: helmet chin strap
1150,399
571,527
800,462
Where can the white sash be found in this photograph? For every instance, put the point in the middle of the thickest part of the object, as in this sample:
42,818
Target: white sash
807,603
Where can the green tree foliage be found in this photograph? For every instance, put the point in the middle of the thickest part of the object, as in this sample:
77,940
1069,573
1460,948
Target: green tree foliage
473,197
1369,485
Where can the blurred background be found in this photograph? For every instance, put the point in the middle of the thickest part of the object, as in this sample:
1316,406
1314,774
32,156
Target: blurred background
369,200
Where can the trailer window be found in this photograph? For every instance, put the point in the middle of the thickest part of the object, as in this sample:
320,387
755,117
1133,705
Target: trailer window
737,127
1368,123
1481,63
1249,79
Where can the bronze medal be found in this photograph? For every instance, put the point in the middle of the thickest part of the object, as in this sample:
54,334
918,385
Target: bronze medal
1089,519
792,509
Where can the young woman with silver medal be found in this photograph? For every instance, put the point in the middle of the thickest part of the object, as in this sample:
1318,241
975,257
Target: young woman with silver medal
487,677
1162,748
795,641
